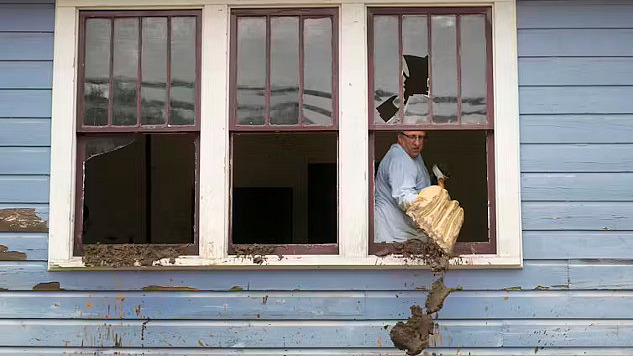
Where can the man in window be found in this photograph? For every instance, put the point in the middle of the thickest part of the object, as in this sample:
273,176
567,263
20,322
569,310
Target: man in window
400,178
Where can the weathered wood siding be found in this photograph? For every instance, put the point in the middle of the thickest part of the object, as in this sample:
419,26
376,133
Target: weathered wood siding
572,297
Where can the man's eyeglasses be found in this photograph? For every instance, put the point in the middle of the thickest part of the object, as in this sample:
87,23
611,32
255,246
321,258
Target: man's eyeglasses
414,137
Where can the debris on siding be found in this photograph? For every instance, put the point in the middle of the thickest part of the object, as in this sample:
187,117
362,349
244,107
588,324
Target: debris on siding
413,336
236,289
6,255
47,286
255,251
125,255
175,288
21,220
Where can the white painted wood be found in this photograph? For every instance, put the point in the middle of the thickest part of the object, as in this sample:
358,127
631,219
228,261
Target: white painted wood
60,240
214,144
506,111
353,165
353,135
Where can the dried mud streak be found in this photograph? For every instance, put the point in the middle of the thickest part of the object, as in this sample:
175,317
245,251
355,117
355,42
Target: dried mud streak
6,255
413,336
21,220
47,286
255,251
126,255
166,288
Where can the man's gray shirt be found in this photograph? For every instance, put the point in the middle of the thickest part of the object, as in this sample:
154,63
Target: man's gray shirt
399,180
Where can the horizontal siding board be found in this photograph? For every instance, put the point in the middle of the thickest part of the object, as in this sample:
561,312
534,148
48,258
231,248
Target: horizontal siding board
583,42
25,275
24,160
275,305
548,245
577,216
26,75
567,158
575,71
601,274
26,46
476,351
27,17
576,100
230,334
24,189
576,128
574,14
25,103
291,334
34,245
577,187
25,132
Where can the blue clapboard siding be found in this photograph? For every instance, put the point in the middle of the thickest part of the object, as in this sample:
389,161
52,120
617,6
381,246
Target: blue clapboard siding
33,18
535,274
598,128
26,75
12,132
573,295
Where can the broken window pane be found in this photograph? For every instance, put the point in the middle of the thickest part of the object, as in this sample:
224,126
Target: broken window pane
415,69
125,68
251,70
444,68
317,71
139,189
284,188
284,70
182,99
473,69
154,71
386,69
97,72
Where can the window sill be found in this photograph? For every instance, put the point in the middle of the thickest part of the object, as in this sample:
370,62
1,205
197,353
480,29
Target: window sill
302,262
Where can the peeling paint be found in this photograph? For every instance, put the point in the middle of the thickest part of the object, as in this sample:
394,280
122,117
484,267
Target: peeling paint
47,286
168,288
21,220
6,255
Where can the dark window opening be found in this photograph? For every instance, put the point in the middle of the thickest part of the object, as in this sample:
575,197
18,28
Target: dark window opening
284,188
139,189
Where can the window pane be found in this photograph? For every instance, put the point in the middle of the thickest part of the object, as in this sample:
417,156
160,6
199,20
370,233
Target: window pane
182,99
97,72
473,67
416,69
386,69
317,71
154,71
125,68
251,70
444,69
284,70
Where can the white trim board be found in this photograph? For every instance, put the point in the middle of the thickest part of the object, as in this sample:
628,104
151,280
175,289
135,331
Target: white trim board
353,233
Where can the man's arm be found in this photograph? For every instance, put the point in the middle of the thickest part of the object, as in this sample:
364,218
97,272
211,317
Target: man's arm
402,179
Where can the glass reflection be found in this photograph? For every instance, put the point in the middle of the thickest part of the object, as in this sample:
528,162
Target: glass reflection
251,70
415,68
386,69
444,68
154,71
473,69
125,68
284,70
97,72
182,100
317,72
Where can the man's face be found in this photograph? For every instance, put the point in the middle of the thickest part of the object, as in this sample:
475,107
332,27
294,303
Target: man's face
412,141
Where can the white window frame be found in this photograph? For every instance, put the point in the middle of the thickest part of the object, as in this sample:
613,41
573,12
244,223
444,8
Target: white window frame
353,168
